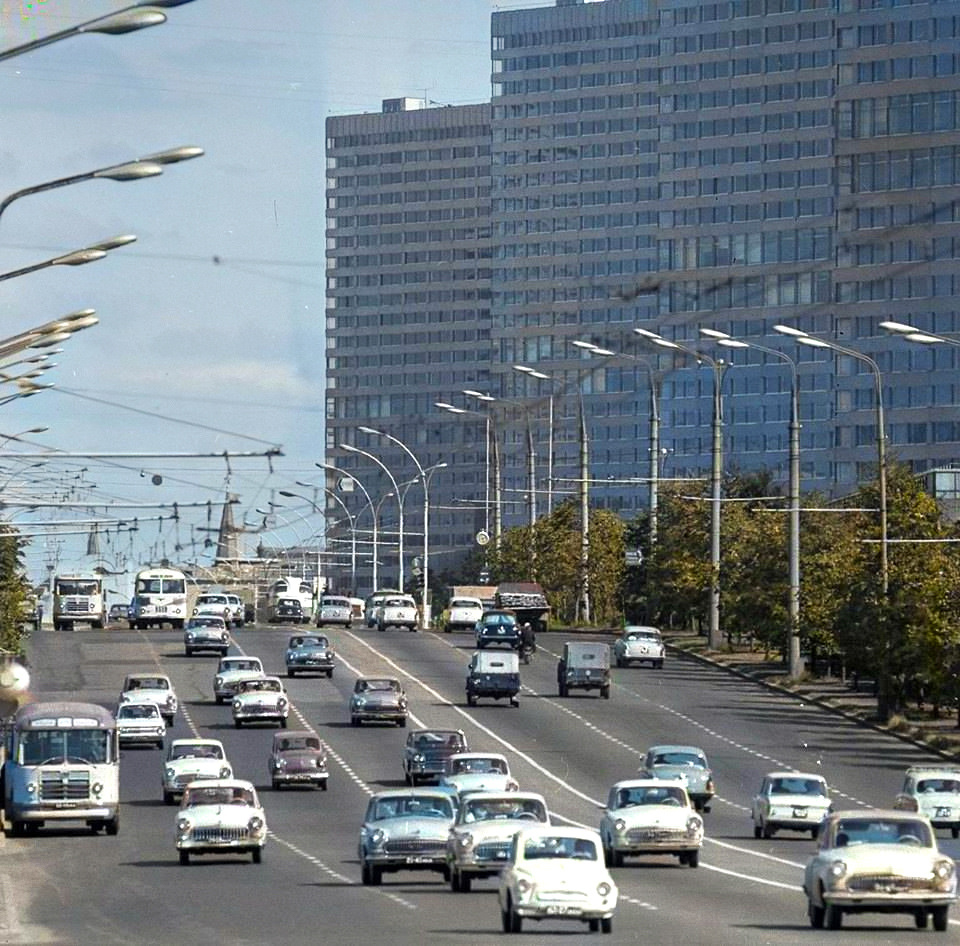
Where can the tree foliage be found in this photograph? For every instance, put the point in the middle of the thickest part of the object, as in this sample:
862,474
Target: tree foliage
13,592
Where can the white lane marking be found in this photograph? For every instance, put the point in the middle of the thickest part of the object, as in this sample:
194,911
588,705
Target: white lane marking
756,880
750,851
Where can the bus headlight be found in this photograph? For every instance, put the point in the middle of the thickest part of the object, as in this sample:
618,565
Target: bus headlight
96,788
32,788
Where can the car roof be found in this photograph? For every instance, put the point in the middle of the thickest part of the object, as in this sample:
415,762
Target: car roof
147,675
438,732
502,796
552,831
426,792
649,783
669,747
224,783
197,742
266,676
934,769
636,628
886,814
787,773
138,704
478,755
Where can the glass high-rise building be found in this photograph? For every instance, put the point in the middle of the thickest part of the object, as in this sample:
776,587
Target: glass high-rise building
731,166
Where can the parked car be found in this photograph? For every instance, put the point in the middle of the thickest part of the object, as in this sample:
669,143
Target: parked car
260,699
687,763
151,688
206,632
221,817
378,699
493,674
139,723
192,760
650,816
298,757
795,801
498,628
405,830
309,653
639,645
397,611
230,671
215,604
478,772
287,611
556,873
933,791
874,861
480,839
585,665
428,751
335,611
118,612
464,614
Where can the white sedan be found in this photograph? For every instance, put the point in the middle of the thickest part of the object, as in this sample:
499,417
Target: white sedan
192,760
639,645
262,698
556,873
221,817
796,801
479,772
151,688
650,816
139,723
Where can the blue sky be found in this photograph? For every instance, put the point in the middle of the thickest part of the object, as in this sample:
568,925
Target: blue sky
215,315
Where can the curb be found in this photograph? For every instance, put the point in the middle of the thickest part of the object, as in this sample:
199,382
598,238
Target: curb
822,702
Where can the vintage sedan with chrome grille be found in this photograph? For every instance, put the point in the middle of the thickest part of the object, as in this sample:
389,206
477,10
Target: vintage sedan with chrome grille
206,632
230,671
479,772
221,817
192,760
933,791
428,751
405,830
794,801
140,723
639,645
650,816
479,842
687,763
298,757
556,873
335,610
151,688
309,653
262,699
875,861
378,699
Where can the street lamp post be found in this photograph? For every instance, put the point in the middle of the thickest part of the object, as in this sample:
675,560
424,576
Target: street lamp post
425,479
540,376
87,254
350,520
396,491
793,566
718,367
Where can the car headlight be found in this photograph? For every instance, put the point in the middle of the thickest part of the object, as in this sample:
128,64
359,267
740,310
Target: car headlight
419,758
694,827
359,701
183,825
523,885
255,824
226,772
195,611
619,825
377,837
835,873
604,889
170,773
943,872
465,840
171,701
512,785
236,705
224,636
218,682
402,702
189,635
282,702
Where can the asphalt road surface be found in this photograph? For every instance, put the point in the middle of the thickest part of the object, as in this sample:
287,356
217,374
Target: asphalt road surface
67,886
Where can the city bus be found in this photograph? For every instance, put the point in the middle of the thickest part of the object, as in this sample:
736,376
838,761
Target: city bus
62,763
160,596
78,599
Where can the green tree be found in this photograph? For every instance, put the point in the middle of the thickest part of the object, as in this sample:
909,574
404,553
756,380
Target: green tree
13,592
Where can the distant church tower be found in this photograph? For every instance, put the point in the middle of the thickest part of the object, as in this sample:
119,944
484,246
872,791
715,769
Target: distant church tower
228,539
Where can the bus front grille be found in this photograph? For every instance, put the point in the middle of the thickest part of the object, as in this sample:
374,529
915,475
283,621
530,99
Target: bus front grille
64,786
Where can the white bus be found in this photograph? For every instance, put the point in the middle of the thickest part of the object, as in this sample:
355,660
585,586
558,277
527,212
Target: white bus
160,596
62,764
78,599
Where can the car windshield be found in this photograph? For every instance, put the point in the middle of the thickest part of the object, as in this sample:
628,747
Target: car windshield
438,740
148,683
253,686
212,599
652,795
138,711
335,603
496,620
365,686
642,636
479,765
218,795
206,622
503,809
679,758
297,743
939,785
557,847
883,831
204,751
433,806
231,665
793,785
317,642
463,603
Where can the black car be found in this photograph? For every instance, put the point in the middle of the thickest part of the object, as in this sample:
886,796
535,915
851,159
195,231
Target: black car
498,627
287,611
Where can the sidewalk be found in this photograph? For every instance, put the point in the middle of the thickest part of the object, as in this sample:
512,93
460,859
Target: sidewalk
918,726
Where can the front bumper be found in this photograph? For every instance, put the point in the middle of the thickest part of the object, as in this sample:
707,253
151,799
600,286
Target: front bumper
564,909
60,811
255,713
133,736
386,714
876,902
308,777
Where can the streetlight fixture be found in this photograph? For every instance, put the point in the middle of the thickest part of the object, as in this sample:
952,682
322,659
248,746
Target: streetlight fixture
396,491
351,519
812,341
718,367
425,479
128,20
87,254
793,566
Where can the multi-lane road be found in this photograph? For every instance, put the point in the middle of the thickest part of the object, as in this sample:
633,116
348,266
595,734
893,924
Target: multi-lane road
67,886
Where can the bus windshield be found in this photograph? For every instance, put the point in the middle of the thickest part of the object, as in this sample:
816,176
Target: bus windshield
157,586
47,747
73,586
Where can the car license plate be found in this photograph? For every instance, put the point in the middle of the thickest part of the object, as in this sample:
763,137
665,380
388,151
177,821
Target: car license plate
418,859
161,609
556,909
942,813
799,812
